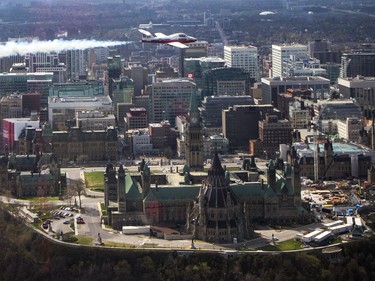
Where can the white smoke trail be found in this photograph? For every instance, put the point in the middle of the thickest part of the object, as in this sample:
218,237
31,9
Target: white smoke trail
23,48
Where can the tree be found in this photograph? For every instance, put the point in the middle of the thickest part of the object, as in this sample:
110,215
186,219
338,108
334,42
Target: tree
78,188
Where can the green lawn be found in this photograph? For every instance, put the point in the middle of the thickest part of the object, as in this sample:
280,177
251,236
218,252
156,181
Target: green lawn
94,180
84,240
283,246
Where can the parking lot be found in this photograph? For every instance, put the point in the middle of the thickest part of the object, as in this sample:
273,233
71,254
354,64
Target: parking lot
64,219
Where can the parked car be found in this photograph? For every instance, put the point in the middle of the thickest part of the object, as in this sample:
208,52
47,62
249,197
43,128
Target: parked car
66,222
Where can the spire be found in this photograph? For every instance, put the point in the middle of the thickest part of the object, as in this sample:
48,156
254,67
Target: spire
193,104
216,165
121,172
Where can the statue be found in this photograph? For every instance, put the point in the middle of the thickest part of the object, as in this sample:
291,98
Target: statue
99,242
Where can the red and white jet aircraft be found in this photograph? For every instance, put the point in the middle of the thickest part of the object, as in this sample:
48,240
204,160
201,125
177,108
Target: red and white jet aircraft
175,40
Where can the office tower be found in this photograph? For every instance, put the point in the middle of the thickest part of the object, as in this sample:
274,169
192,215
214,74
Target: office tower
138,74
18,82
135,118
7,62
362,90
194,68
357,63
114,67
272,87
212,107
46,62
197,49
273,132
76,62
293,66
101,53
90,88
170,98
121,90
245,57
63,109
228,81
241,123
281,52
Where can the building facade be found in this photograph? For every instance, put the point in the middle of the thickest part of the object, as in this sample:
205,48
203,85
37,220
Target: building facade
361,89
244,57
357,63
281,52
272,87
170,98
241,124
273,132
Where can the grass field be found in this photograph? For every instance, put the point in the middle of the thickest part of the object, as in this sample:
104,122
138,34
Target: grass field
283,246
94,180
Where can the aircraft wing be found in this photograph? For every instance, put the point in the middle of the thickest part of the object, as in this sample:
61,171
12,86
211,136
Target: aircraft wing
178,45
159,34
145,32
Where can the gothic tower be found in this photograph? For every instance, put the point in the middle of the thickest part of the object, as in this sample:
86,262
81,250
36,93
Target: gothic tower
110,185
217,214
271,174
145,179
194,138
296,183
121,193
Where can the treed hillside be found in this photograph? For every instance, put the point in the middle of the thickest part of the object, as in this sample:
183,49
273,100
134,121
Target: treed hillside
26,255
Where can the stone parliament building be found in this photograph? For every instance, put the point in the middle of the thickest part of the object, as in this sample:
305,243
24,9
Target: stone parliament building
217,206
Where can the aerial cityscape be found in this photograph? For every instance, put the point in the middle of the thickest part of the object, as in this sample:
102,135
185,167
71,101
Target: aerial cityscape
187,140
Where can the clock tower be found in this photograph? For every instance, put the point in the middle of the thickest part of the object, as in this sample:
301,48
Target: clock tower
194,138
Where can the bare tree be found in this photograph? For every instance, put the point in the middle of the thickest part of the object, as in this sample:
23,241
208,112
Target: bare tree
78,188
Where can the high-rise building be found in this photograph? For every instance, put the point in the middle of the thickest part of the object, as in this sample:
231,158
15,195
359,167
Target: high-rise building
121,90
136,118
293,66
245,57
76,62
138,74
241,123
46,62
94,120
197,49
272,87
18,82
361,89
102,53
281,52
317,47
357,63
7,62
64,108
115,67
89,88
212,107
194,68
273,132
350,129
41,87
228,81
170,98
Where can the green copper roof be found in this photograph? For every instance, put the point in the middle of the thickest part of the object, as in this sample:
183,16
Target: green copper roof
248,190
183,193
131,188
